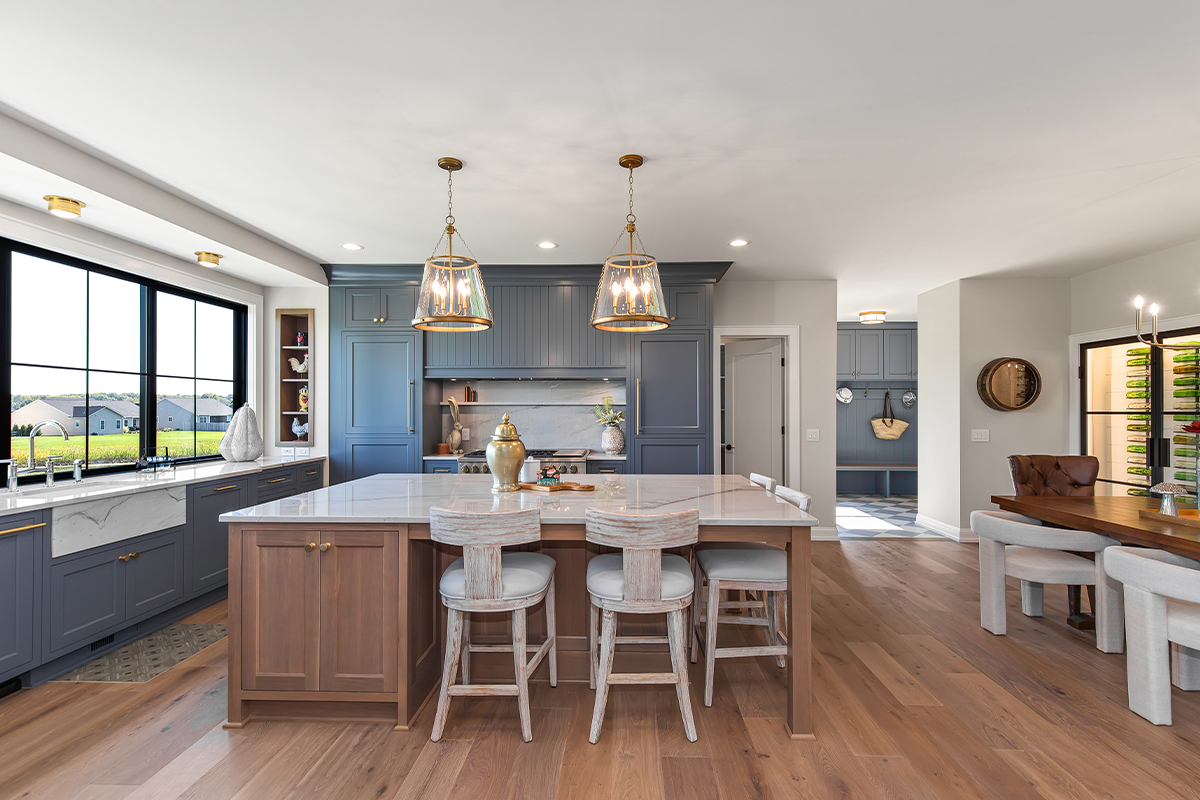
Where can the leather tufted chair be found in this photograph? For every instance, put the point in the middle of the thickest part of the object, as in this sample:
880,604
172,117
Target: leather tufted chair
1066,476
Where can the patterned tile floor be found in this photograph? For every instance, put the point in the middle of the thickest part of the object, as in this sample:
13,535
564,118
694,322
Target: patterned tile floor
149,656
871,516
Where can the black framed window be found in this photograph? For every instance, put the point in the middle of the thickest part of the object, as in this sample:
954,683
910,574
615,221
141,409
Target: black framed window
107,356
1141,412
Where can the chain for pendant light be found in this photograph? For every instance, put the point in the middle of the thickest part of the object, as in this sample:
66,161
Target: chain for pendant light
630,216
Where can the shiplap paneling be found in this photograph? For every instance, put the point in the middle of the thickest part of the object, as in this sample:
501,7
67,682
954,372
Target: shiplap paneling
856,441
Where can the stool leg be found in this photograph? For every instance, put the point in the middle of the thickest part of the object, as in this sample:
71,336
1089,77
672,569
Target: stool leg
607,646
1185,667
675,636
773,624
1147,655
593,639
520,660
454,621
466,648
991,586
710,638
1031,598
697,607
552,634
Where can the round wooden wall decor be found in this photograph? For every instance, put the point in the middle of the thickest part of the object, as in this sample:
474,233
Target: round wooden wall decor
1009,384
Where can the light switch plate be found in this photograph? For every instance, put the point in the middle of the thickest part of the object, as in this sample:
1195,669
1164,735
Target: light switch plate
466,434
981,435
814,434
287,452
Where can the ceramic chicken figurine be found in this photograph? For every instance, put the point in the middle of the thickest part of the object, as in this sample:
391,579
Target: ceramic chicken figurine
297,366
301,431
455,437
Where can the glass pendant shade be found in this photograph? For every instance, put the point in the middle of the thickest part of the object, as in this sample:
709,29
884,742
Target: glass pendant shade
452,298
630,296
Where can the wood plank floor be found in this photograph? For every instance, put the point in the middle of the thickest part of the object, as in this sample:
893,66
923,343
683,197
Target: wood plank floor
912,700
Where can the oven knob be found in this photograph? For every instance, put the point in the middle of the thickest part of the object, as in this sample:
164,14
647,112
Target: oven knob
475,469
464,468
574,468
486,468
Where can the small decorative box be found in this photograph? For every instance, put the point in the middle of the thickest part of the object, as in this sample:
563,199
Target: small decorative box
548,476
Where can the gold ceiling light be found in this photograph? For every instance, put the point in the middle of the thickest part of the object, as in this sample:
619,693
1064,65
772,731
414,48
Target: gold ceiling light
630,296
872,317
452,297
207,259
65,207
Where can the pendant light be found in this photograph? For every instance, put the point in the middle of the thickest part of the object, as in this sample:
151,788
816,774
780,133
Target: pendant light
630,296
452,298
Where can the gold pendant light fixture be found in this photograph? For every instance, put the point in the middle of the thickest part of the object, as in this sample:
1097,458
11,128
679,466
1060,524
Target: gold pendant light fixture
452,297
630,296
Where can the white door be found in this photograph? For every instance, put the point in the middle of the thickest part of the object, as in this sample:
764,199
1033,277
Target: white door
754,407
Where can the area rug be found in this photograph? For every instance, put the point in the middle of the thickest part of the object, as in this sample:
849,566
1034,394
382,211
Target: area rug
150,656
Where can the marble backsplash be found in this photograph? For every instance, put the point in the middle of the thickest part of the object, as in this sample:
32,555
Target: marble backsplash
547,413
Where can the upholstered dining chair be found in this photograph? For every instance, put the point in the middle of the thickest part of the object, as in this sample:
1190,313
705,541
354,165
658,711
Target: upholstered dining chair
1162,624
487,580
1010,546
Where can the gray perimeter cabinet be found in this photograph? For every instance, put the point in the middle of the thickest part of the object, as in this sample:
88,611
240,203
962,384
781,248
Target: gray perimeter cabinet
876,353
207,543
670,398
20,581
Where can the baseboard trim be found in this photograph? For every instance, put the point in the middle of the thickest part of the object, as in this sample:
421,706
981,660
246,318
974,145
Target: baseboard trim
824,534
949,531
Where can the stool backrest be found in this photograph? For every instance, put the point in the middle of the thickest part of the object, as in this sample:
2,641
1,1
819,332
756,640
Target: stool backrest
1154,571
481,534
1002,527
762,480
642,537
799,499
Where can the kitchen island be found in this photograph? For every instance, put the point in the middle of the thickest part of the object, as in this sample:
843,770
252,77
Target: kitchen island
334,610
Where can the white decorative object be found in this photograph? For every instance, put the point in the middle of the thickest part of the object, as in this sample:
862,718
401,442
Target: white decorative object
243,441
301,431
612,440
455,437
297,366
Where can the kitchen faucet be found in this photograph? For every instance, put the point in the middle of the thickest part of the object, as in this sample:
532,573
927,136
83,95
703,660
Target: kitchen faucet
49,469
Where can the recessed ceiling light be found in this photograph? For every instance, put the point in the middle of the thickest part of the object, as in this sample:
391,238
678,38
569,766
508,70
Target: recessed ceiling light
547,245
65,207
872,317
352,246
738,243
207,259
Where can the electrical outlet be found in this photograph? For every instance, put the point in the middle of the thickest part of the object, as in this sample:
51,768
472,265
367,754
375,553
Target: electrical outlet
814,434
466,434
981,435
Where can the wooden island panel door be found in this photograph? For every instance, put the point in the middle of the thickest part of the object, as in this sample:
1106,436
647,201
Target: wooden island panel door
281,611
360,610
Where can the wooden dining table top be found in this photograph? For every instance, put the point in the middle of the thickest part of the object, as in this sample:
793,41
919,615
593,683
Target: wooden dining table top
1116,517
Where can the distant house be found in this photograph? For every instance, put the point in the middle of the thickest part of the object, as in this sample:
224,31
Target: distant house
106,416
193,413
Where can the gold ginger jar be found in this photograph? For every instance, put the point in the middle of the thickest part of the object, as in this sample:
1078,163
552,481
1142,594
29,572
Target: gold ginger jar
505,455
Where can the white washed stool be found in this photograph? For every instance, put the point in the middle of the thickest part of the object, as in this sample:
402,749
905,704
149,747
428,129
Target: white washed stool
1162,623
486,580
762,480
639,580
1008,545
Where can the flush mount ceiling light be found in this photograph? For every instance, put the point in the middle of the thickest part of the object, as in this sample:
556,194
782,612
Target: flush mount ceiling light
452,297
352,246
547,245
65,207
207,259
630,279
872,317
738,243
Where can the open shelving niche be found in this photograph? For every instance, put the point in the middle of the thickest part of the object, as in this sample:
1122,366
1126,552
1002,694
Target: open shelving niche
289,323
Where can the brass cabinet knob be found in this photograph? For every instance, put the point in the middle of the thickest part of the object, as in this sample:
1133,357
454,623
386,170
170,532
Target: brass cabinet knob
383,319
374,319
325,546
122,558
308,548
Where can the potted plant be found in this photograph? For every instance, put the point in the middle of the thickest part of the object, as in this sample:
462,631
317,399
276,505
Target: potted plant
613,439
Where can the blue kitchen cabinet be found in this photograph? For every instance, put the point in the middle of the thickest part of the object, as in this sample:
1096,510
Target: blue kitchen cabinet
897,354
20,579
670,389
868,355
845,355
376,307
690,305
154,577
206,544
605,467
440,466
371,455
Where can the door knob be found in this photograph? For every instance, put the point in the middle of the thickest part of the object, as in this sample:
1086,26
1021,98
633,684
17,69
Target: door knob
308,548
325,546
728,447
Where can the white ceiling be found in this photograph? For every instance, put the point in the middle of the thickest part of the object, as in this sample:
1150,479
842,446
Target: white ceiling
893,146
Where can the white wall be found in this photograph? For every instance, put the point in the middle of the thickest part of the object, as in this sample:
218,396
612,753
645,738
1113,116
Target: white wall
811,305
994,318
1103,299
316,298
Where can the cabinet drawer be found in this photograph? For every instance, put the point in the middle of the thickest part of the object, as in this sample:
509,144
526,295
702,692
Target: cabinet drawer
20,554
207,543
606,467
274,484
441,467
153,574
311,476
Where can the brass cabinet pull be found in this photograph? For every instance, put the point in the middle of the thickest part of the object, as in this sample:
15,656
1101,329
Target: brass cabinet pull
314,472
23,528
639,406
122,558
325,546
410,393
276,480
128,556
223,488
308,548
607,471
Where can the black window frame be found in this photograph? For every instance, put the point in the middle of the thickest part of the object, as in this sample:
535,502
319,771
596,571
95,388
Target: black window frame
148,389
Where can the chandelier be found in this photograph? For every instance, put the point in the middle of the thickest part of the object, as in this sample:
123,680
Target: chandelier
630,296
1155,340
452,297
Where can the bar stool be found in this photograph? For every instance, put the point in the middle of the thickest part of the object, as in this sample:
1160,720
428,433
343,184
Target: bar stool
762,480
639,580
486,580
799,499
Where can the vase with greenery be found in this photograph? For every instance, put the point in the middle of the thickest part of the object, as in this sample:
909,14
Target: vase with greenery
613,439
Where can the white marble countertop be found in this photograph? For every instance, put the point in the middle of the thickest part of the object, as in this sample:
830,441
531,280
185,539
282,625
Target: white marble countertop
605,457
439,458
37,497
386,499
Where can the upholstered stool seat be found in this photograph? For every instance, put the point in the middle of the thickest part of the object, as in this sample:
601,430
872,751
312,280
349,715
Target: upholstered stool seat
1048,566
606,577
1183,623
762,563
522,574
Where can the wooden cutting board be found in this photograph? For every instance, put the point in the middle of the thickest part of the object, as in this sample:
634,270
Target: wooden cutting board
565,486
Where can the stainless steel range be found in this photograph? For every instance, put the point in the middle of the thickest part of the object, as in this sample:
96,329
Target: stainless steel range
572,462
